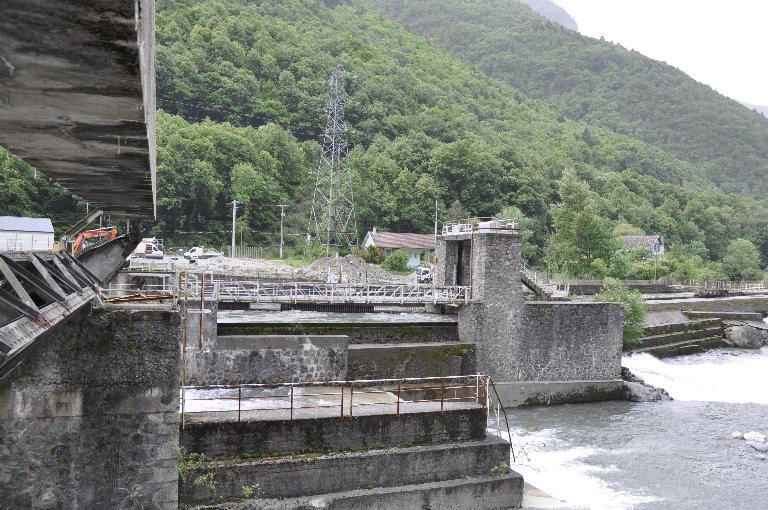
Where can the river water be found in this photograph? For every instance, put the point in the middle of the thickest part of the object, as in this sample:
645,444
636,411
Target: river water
660,455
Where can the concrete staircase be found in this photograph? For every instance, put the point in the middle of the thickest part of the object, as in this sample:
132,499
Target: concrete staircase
542,287
680,338
437,460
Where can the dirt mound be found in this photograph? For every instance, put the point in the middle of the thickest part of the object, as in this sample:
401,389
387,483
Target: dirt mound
353,269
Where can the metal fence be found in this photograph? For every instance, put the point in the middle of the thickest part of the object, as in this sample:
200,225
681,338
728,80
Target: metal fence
246,252
334,398
466,226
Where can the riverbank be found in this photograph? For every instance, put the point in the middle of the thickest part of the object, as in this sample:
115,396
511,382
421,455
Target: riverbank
656,456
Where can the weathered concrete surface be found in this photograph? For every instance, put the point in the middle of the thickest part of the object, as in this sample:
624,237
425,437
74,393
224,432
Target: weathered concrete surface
222,438
306,475
519,393
562,341
89,419
392,361
492,320
664,311
479,493
267,359
77,96
358,333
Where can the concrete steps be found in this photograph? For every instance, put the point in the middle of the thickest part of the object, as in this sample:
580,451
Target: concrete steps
215,438
308,475
383,361
681,336
730,315
681,348
499,492
681,326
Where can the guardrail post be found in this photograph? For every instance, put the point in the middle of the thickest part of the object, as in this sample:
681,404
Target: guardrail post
442,395
351,393
398,399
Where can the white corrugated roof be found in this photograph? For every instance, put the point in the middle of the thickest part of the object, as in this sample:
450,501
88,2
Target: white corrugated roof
26,224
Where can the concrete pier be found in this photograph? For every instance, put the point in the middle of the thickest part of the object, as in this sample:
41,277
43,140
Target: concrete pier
89,420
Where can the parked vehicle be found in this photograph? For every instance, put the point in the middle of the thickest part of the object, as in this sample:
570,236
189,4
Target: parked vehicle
198,252
149,248
423,275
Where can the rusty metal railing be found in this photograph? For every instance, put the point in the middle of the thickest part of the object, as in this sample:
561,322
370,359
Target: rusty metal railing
315,399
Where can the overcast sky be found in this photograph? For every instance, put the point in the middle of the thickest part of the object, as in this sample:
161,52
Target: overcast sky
722,43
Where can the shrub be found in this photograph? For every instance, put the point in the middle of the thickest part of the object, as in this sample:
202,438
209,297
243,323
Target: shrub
634,310
396,263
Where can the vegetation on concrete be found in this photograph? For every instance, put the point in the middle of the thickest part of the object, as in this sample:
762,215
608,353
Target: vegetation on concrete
189,464
634,310
501,468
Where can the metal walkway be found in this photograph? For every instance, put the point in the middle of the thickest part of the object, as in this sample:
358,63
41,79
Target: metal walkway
336,293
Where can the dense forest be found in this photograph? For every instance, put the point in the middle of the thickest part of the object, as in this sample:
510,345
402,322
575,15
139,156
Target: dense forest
599,83
426,127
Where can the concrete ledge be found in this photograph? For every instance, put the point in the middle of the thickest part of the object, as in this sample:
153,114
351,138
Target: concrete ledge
381,361
309,475
358,333
730,314
520,393
480,493
218,439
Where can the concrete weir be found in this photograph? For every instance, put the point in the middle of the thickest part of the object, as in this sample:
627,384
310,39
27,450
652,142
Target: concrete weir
537,352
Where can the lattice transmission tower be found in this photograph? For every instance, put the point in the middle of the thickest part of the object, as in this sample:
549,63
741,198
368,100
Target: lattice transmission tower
332,221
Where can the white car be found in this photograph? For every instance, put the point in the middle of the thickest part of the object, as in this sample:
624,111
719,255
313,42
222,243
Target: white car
423,275
198,252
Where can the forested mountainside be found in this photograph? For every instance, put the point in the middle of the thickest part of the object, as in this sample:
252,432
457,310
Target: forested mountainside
425,126
599,83
553,12
763,110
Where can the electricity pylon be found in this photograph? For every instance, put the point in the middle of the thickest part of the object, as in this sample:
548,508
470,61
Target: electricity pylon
332,221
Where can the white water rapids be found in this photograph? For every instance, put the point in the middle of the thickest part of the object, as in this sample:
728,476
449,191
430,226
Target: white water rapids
722,375
675,455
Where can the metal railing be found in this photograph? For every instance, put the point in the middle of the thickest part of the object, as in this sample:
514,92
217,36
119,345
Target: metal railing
335,398
466,226
364,293
542,284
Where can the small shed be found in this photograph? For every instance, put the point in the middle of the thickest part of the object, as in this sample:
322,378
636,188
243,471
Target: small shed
25,234
418,247
653,243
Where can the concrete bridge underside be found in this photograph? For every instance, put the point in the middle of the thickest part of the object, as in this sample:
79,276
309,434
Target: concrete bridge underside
77,97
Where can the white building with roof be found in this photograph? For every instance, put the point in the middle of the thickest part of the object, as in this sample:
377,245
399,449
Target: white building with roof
418,247
25,234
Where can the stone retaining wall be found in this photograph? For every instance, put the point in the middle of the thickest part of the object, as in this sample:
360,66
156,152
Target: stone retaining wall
89,419
268,359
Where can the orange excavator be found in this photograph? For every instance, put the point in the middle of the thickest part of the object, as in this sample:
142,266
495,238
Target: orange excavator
109,233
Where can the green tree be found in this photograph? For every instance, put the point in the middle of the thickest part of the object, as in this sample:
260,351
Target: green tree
581,236
634,310
742,260
397,262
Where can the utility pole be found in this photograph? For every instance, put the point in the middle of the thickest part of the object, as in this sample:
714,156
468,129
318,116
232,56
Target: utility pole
234,219
282,215
436,211
332,221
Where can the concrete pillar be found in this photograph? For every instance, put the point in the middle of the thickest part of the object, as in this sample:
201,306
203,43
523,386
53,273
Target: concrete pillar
492,320
89,418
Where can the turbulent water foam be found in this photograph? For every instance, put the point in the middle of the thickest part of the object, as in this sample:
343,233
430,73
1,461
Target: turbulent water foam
723,375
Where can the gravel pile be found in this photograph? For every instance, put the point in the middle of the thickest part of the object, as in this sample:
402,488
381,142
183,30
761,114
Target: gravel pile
353,269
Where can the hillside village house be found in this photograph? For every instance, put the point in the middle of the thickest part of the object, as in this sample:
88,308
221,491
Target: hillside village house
634,243
418,247
25,234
